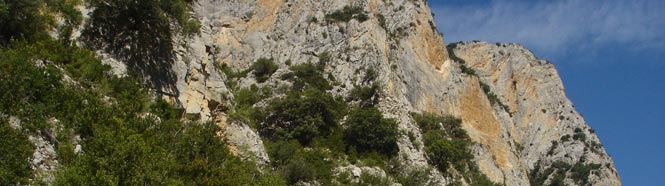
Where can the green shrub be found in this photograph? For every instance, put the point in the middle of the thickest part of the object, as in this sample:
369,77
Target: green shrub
263,69
33,20
367,179
452,54
307,75
369,131
15,152
493,98
368,96
450,126
382,21
282,151
245,98
468,70
346,14
415,176
557,172
324,59
580,172
24,20
370,75
313,19
137,151
552,148
565,138
579,136
443,152
297,164
302,116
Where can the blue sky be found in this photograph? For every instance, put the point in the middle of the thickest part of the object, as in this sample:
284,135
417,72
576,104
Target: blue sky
610,55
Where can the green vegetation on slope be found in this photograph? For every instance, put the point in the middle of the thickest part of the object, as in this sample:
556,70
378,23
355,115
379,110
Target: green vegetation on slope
128,139
32,20
448,147
15,149
60,91
557,172
304,132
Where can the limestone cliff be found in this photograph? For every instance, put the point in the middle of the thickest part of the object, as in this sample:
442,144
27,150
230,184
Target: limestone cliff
513,105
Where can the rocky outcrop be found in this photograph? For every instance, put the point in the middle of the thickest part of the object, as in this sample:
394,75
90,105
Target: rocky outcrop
401,43
541,125
238,33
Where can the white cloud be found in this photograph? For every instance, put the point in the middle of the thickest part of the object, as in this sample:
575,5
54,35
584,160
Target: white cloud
557,28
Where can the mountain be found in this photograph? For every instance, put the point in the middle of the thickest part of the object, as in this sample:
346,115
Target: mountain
309,76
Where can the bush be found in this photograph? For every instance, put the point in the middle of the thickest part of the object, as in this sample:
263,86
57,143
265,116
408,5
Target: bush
138,151
346,14
579,136
297,164
370,75
552,148
307,75
416,176
382,21
468,70
452,54
263,69
493,98
245,99
565,138
302,116
443,152
369,131
324,59
15,152
282,151
580,172
450,126
29,20
368,96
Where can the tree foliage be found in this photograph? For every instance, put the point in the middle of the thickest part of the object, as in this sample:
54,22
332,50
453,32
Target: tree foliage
141,33
33,20
346,14
15,151
302,116
368,131
263,69
23,19
307,75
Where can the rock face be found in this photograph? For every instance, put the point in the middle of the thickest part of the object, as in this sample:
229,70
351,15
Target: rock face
401,43
542,125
